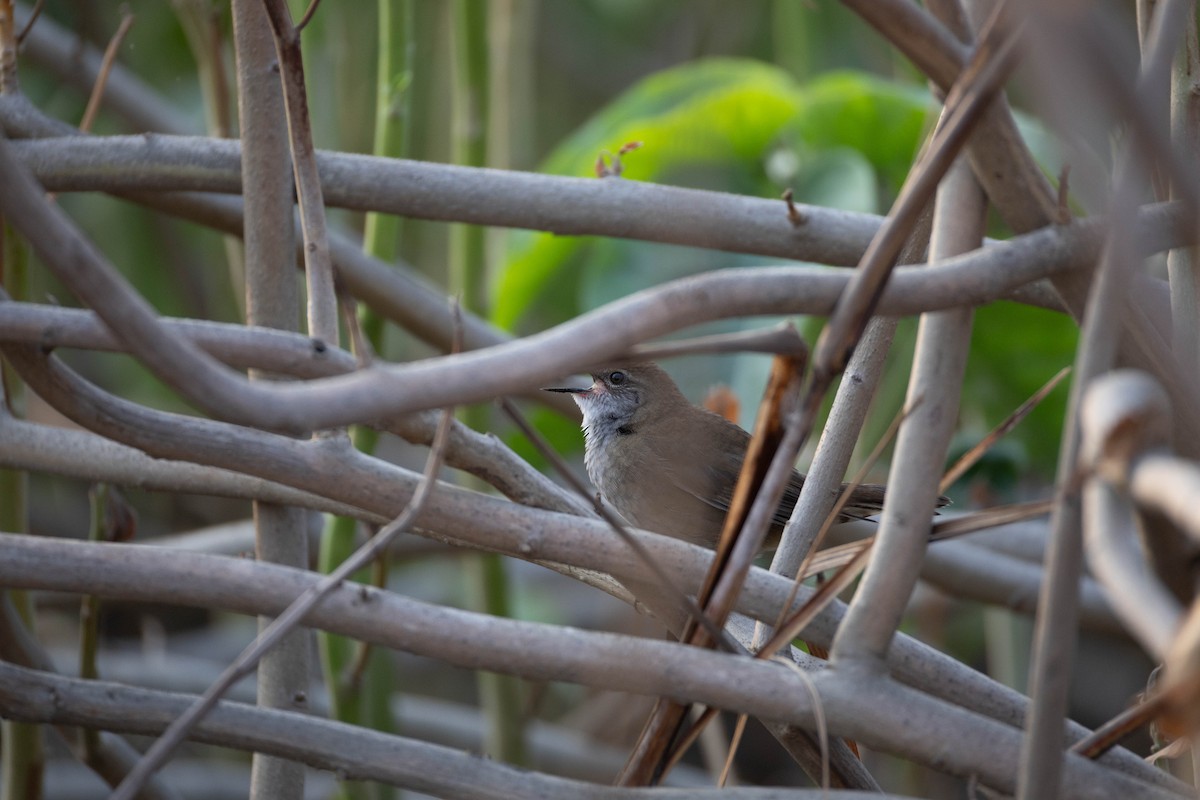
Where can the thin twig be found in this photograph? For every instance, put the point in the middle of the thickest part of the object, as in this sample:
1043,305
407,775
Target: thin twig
824,595
977,452
734,741
360,344
33,17
106,65
988,518
1106,737
318,265
308,15
1064,195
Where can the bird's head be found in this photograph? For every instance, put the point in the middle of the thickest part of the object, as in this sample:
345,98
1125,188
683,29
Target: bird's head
624,396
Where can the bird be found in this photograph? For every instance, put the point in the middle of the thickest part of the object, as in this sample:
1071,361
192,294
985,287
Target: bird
670,466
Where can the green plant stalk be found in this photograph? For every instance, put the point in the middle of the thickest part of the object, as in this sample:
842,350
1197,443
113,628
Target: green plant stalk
468,108
487,587
22,760
89,617
368,702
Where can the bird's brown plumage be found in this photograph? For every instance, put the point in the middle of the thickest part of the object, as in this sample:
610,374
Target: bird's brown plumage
670,466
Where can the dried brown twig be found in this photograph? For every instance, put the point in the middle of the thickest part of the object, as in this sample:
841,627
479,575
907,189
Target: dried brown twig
110,56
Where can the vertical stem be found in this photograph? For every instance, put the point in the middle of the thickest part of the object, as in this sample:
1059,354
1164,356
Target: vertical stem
943,339
318,264
272,299
510,104
469,114
22,761
1058,599
792,40
393,109
500,695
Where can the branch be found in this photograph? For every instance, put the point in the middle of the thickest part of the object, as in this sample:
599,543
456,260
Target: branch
87,457
425,190
249,347
357,753
272,298
318,266
959,741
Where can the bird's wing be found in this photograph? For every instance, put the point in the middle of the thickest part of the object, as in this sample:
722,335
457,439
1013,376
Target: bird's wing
865,501
714,484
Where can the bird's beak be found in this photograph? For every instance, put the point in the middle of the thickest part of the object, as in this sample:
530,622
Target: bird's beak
569,391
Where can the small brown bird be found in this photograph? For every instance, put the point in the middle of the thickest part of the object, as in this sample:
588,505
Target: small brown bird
670,466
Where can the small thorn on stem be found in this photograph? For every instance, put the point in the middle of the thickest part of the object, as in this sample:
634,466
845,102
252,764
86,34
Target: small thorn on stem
794,215
601,168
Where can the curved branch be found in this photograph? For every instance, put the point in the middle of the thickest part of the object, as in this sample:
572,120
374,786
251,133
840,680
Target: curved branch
1148,609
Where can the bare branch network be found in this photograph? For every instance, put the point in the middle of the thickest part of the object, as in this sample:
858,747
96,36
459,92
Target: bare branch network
1127,473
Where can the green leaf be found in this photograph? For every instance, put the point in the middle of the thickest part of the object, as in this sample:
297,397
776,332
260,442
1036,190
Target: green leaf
881,120
842,141
701,121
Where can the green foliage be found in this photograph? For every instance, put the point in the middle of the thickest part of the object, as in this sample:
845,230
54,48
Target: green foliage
841,140
880,120
1015,350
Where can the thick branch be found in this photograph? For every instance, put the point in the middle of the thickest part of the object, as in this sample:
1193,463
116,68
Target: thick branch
424,190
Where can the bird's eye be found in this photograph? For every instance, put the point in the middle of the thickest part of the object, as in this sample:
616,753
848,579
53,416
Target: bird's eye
616,378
